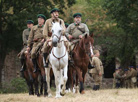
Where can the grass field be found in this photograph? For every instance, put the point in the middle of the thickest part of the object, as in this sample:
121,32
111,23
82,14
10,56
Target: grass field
106,95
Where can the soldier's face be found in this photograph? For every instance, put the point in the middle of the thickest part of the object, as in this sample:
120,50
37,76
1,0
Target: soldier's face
77,20
29,25
55,14
41,21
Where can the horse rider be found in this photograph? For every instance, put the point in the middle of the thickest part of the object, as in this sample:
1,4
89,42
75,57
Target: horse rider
36,39
76,31
97,72
25,35
47,33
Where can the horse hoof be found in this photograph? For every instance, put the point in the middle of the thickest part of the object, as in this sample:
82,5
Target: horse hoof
38,95
45,94
58,96
83,92
50,95
62,94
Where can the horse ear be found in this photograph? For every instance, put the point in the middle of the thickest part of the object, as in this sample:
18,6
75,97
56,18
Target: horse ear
91,35
60,22
86,35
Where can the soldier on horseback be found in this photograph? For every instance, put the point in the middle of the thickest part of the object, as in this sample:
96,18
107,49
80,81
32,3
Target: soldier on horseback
36,39
47,33
25,35
76,31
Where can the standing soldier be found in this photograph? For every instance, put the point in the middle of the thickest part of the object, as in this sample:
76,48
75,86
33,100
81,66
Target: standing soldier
25,35
97,72
117,78
36,39
47,32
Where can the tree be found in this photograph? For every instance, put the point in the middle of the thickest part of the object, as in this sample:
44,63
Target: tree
125,13
13,17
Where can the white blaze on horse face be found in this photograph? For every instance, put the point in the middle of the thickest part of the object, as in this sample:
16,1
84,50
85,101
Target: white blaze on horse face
91,48
56,32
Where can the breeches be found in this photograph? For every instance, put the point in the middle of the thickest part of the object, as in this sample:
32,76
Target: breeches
35,48
97,79
22,53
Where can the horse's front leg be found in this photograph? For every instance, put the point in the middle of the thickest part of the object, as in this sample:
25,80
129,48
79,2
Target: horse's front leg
64,80
57,74
79,73
47,71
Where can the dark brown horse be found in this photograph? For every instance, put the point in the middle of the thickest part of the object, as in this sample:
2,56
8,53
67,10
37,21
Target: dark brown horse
80,56
42,70
33,77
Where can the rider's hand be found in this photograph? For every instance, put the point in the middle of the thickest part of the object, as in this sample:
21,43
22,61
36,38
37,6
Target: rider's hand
70,37
28,49
100,74
80,36
42,40
92,55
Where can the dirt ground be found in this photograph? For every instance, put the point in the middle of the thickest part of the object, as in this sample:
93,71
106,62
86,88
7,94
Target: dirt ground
104,95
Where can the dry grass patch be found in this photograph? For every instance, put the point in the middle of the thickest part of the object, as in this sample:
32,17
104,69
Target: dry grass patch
106,95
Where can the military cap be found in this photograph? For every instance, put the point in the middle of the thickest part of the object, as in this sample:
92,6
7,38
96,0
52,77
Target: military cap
77,15
96,51
126,70
30,22
66,24
53,10
131,66
116,68
41,16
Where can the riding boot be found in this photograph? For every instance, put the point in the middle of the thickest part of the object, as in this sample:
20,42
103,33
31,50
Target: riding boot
45,55
71,58
35,65
98,87
23,65
94,87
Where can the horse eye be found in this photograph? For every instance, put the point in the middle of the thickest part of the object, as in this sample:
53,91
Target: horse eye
59,30
52,31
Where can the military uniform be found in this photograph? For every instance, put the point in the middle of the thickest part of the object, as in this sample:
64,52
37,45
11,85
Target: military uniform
47,33
25,38
35,37
95,71
34,40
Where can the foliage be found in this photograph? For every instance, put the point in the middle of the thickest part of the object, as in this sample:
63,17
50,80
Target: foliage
17,85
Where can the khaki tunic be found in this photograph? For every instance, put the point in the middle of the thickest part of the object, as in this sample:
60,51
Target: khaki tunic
47,32
48,27
25,36
76,30
95,71
35,37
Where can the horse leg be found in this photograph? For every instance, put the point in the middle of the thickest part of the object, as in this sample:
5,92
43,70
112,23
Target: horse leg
57,75
41,89
81,80
47,71
45,85
64,80
37,88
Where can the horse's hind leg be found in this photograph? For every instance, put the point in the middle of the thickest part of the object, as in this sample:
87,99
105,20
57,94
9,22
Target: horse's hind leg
37,88
64,80
47,71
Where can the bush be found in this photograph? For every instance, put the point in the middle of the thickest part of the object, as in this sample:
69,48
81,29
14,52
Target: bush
17,85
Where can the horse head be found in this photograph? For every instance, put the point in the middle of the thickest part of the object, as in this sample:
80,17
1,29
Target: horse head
56,33
87,43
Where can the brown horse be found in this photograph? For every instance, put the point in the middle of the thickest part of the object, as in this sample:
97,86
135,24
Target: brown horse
80,56
42,70
33,77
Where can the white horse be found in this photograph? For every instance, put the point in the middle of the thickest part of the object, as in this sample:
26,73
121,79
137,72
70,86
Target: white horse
58,59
